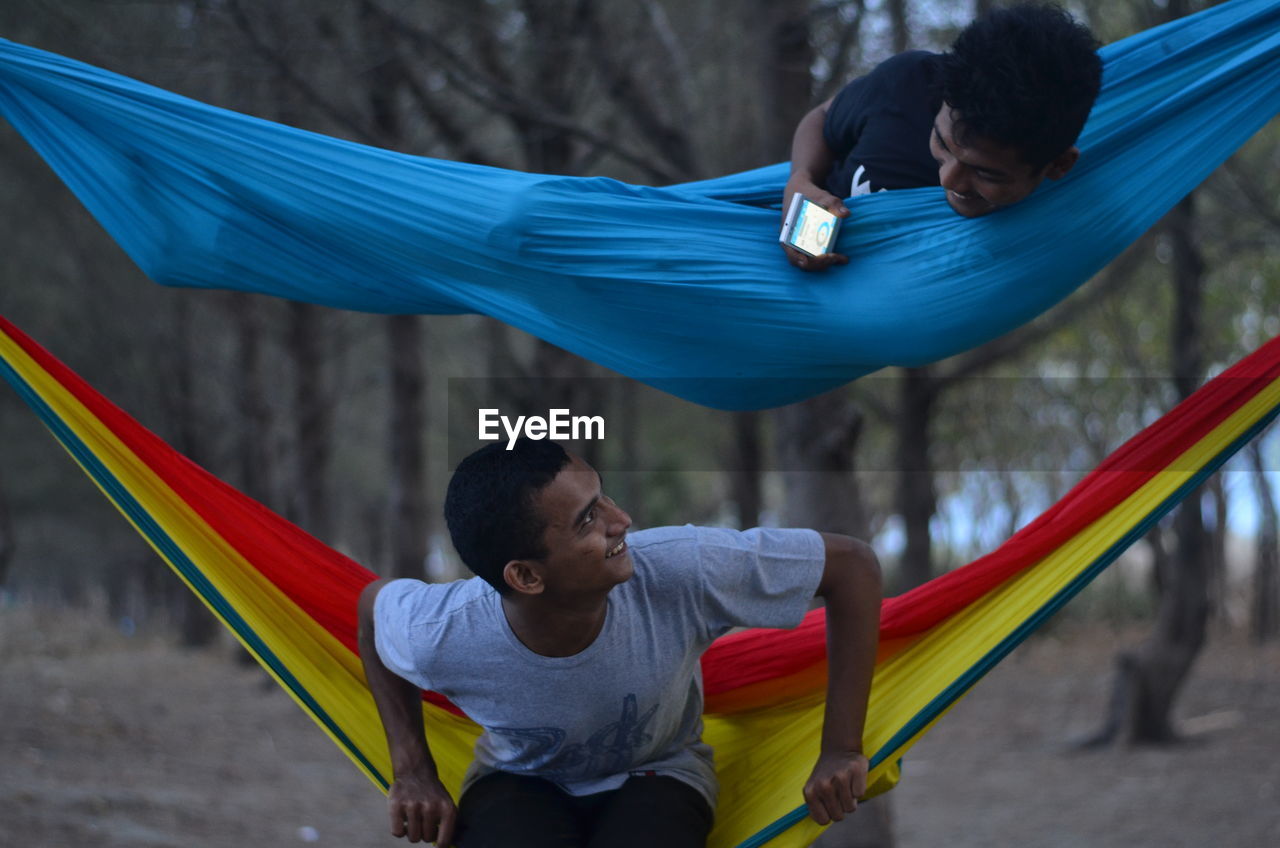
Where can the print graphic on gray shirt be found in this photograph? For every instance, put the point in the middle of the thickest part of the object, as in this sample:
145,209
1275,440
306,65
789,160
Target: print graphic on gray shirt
609,750
630,701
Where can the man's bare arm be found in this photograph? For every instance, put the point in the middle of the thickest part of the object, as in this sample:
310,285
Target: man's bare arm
811,162
419,805
851,587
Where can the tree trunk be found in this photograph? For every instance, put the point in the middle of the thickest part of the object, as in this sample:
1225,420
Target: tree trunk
816,441
1153,675
253,412
409,519
563,380
307,502
788,80
916,497
1265,618
312,422
746,470
899,25
816,445
786,87
552,25
560,380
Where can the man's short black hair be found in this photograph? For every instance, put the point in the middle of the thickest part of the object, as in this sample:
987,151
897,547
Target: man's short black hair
489,506
1024,77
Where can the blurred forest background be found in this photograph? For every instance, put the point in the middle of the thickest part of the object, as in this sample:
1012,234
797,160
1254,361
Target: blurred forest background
348,423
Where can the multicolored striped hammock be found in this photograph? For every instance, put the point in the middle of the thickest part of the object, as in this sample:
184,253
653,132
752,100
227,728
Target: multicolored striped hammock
682,287
291,600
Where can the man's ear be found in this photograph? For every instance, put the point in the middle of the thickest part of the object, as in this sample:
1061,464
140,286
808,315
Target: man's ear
524,576
1057,169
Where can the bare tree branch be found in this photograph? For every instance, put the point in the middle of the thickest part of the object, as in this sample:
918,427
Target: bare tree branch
1260,203
504,100
458,139
586,161
286,70
671,142
681,69
842,58
481,27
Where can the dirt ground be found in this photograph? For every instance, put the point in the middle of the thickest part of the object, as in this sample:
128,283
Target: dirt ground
109,741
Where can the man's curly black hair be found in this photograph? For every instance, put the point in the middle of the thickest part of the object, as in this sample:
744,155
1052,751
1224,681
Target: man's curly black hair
1024,77
489,505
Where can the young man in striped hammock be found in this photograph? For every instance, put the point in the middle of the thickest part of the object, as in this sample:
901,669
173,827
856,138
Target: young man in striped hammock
576,648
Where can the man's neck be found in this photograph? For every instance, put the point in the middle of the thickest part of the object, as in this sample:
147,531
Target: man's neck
556,628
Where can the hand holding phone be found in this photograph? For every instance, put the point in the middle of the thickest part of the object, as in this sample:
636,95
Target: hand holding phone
809,233
808,227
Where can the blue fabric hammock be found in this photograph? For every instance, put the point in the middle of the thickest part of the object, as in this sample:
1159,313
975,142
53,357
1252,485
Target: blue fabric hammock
682,287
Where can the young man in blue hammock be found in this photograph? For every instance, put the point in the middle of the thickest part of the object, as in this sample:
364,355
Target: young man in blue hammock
989,120
576,647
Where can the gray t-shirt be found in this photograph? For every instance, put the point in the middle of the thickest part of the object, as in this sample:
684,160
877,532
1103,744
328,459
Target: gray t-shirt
631,702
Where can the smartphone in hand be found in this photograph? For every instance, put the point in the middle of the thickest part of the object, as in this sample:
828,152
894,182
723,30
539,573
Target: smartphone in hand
808,227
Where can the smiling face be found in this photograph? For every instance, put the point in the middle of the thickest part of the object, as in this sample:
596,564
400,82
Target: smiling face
584,539
981,176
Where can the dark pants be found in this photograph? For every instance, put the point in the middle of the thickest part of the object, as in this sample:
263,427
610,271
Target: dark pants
506,810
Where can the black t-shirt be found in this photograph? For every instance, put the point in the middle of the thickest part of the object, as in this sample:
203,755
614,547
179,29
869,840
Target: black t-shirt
880,123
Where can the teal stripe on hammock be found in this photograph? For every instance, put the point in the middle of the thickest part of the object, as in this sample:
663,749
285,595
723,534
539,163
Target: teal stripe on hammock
157,536
975,673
